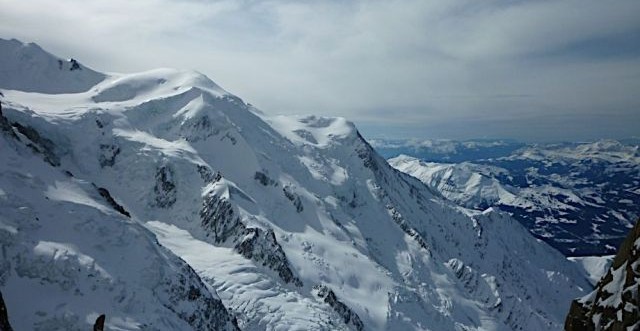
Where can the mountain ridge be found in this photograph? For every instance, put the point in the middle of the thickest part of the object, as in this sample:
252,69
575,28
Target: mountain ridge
304,225
613,304
30,68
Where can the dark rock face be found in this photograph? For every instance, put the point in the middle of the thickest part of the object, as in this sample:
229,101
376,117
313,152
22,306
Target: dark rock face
218,217
108,153
615,302
348,316
39,144
263,179
5,125
408,229
294,198
366,153
261,245
4,316
207,312
165,188
99,324
208,175
112,202
74,65
257,244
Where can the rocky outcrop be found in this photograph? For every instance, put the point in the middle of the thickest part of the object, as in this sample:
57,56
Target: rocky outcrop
5,125
208,175
481,286
366,153
99,324
293,197
165,189
348,316
615,302
112,202
74,65
219,218
39,144
108,153
190,300
408,229
263,179
4,316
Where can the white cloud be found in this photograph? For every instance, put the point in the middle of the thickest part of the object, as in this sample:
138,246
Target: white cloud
431,65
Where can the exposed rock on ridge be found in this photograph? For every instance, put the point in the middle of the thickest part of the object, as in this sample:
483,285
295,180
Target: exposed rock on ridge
348,316
218,216
4,316
614,304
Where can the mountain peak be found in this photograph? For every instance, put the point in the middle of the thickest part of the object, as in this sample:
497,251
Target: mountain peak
153,84
27,67
294,222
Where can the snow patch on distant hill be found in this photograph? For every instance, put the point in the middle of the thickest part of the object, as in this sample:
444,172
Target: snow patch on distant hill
577,197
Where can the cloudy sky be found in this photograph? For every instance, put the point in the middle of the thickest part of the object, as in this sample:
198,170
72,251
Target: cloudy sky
529,70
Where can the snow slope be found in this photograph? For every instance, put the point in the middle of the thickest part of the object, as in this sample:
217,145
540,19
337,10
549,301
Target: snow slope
295,222
28,67
594,266
68,257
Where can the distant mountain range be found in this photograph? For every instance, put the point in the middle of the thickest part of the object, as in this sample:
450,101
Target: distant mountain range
581,198
443,150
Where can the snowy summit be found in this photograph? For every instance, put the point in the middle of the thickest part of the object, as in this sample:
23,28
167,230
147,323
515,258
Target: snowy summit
167,203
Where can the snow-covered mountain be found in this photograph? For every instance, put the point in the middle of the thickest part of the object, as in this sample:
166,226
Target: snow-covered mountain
112,196
68,257
580,198
468,184
29,68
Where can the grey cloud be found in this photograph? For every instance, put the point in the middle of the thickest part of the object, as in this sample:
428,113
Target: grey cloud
433,68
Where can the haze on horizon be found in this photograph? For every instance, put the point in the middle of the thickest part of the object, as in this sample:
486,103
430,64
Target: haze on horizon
528,70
